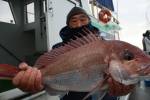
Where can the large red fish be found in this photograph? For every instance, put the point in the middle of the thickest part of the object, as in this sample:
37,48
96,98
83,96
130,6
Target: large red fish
86,64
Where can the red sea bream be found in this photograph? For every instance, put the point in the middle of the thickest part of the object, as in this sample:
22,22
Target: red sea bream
85,63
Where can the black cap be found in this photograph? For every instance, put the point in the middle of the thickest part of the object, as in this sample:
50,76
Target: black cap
75,11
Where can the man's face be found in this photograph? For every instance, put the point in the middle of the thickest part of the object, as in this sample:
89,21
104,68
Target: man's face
78,21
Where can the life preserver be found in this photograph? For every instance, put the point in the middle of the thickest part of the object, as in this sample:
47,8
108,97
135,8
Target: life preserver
105,15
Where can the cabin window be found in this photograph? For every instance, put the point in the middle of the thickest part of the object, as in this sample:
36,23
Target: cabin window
6,14
30,13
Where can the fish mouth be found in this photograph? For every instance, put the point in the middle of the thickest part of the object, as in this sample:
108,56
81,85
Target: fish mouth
142,72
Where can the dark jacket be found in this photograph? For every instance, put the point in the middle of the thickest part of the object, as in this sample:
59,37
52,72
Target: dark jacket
67,33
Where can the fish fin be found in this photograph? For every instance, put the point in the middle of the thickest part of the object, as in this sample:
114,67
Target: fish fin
52,55
8,71
99,87
99,95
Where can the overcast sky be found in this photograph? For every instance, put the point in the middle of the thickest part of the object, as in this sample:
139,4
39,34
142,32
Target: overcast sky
134,19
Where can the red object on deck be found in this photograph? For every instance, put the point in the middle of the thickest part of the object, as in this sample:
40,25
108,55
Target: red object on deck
7,70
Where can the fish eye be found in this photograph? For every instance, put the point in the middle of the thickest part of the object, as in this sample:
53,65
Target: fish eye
127,55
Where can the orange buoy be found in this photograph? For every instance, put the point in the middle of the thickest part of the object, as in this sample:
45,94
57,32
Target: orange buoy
105,16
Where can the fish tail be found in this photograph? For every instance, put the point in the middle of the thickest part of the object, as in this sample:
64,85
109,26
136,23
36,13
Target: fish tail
8,71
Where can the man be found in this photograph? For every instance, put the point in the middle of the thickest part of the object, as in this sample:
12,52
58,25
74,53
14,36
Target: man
146,41
76,20
29,79
146,48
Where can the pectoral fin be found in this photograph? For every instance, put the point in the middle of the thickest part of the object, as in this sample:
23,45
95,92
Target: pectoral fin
100,89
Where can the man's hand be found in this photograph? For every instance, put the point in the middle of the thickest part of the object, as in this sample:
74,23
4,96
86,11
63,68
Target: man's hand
28,79
118,89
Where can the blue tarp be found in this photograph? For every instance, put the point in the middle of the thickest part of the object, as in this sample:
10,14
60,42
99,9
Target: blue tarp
106,3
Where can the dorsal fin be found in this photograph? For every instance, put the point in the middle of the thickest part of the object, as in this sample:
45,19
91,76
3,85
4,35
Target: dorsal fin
52,55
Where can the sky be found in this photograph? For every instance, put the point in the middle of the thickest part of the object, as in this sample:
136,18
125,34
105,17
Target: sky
134,18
